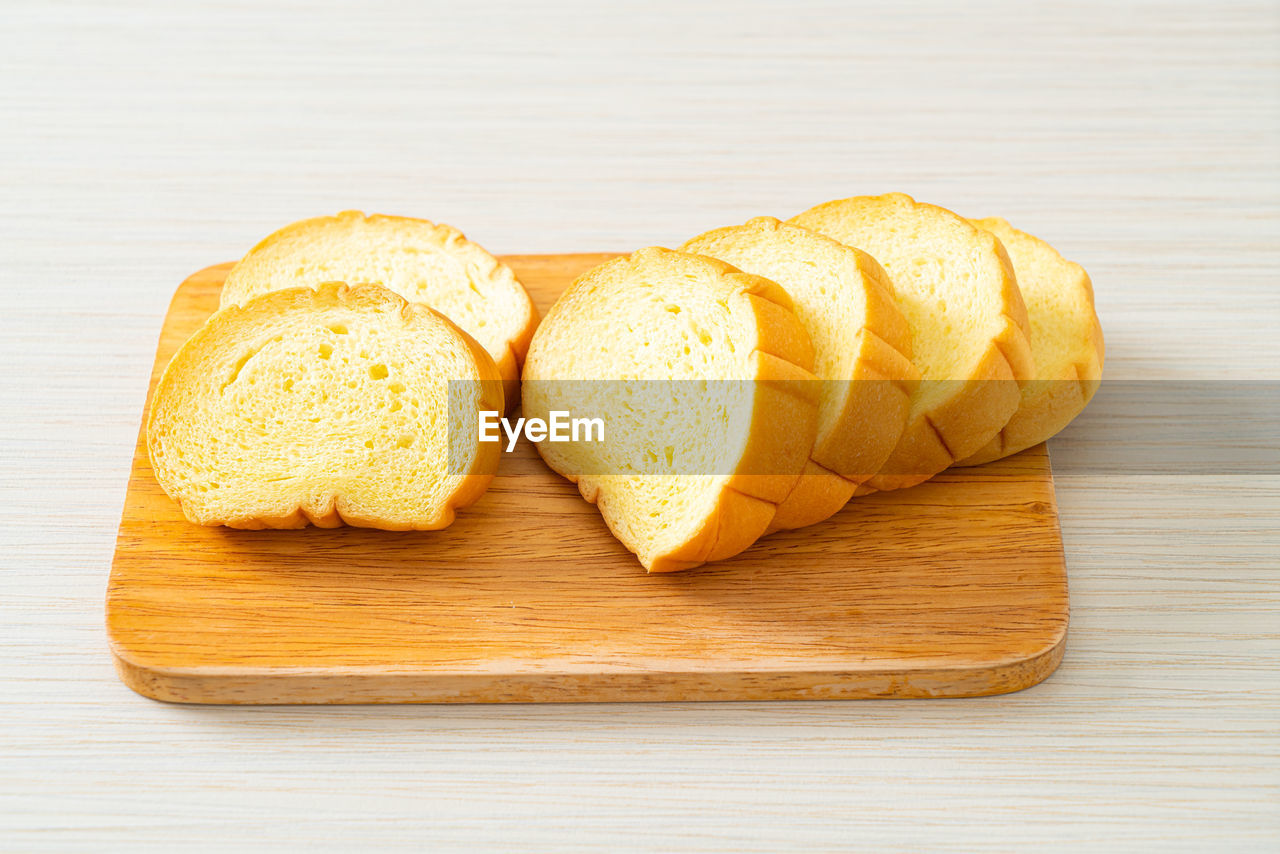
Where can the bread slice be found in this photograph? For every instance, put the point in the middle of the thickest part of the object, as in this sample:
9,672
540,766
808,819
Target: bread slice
956,286
338,405
706,373
1066,341
421,261
862,352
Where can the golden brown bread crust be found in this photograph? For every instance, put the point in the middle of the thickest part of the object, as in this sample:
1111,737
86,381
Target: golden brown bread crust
322,508
784,412
882,388
960,424
868,408
1060,391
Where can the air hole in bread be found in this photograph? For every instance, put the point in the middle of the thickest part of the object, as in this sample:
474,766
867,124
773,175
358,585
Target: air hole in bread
378,372
337,328
326,350
239,366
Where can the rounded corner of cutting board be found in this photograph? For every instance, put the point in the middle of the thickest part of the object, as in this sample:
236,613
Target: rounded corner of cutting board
1023,672
150,682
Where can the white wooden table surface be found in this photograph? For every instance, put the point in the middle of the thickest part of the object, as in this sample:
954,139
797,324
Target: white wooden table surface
140,141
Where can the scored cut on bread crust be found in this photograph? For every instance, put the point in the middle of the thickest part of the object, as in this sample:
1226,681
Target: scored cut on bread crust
324,407
422,261
662,315
862,353
956,286
1066,341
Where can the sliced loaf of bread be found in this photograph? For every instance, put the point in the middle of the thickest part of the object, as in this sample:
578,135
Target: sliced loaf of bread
862,349
421,261
1066,341
329,406
956,286
704,372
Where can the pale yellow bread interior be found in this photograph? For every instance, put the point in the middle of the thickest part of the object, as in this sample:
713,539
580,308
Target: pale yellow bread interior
955,284
421,261
325,407
701,468
862,353
1066,340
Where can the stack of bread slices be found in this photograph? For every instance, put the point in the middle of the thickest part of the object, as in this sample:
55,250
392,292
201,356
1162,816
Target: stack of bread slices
754,380
882,340
333,384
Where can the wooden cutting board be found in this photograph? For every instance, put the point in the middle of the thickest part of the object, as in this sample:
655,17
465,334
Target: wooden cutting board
954,588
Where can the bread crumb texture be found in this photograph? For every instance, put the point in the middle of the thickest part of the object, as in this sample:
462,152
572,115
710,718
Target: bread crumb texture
324,407
692,323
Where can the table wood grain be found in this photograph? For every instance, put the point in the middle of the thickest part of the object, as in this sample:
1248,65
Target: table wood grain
140,141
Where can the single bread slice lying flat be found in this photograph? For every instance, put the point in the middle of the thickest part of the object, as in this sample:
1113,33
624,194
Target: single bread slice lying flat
705,372
862,349
421,261
956,286
1066,340
338,405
